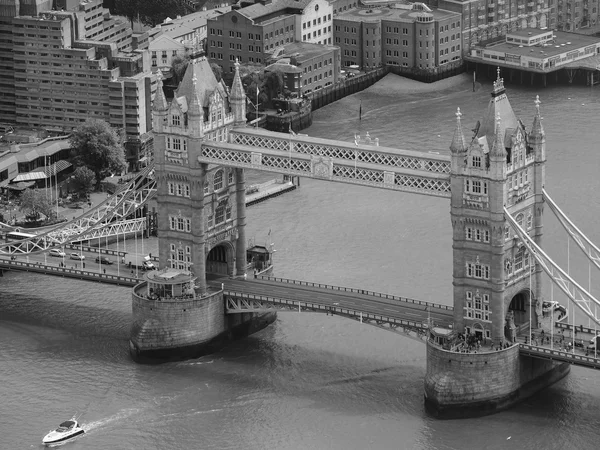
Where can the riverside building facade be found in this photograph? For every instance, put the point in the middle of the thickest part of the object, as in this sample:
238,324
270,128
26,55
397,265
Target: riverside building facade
409,36
61,67
253,33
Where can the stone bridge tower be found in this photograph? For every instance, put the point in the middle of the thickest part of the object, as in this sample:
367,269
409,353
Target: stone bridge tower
201,224
503,165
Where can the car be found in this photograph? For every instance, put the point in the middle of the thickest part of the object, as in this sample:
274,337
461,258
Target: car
77,256
58,253
149,265
103,260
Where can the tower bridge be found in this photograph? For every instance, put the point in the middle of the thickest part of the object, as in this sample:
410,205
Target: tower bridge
495,182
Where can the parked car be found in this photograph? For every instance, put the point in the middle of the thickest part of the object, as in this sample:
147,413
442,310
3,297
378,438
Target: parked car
103,260
58,253
77,256
149,265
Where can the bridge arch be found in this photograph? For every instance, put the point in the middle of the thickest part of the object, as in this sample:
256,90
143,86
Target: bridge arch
220,259
518,312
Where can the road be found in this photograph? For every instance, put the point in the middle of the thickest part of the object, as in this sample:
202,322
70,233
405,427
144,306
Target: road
342,299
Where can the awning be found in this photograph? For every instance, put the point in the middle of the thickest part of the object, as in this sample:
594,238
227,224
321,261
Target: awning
21,186
57,167
29,176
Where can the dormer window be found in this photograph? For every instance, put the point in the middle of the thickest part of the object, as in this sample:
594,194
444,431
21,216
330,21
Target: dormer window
176,118
476,161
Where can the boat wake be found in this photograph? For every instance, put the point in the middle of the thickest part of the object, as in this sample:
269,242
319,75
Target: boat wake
104,422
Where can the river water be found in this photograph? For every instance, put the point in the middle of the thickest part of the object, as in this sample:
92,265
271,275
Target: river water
309,381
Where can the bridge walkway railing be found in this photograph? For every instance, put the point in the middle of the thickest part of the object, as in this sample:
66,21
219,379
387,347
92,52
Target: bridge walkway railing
358,291
559,355
68,272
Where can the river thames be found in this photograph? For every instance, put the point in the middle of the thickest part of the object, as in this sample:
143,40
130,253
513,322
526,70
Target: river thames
311,381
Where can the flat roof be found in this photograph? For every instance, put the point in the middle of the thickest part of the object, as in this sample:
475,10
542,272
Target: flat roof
400,14
563,42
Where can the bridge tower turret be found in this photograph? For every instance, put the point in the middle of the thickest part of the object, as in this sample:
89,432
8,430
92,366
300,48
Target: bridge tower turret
491,268
238,98
496,283
201,224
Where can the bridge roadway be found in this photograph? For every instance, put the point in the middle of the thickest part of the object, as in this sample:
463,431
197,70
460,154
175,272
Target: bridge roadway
384,310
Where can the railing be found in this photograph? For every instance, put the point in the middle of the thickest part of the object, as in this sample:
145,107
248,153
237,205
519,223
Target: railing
578,328
358,291
572,358
72,273
328,309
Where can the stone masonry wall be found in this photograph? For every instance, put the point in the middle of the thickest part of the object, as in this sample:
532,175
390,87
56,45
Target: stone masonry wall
458,378
171,324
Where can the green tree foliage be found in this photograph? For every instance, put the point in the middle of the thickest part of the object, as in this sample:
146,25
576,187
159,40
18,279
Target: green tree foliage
97,146
149,12
274,83
84,179
34,203
178,66
217,71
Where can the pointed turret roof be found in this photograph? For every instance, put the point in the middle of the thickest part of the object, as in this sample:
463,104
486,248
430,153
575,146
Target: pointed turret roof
206,85
237,89
498,106
537,130
195,108
458,144
498,148
160,101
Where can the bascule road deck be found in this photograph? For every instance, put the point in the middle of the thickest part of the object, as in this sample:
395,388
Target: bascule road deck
339,299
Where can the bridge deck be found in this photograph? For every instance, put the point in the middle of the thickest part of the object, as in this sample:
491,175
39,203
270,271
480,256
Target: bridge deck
577,359
338,300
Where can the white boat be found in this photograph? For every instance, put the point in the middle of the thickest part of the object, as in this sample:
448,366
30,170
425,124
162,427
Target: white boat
65,432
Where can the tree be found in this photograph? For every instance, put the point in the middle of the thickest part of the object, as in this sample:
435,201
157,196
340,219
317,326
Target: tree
217,71
95,145
34,202
149,12
178,67
84,179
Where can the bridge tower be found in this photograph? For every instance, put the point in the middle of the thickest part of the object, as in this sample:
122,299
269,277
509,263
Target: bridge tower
496,284
201,222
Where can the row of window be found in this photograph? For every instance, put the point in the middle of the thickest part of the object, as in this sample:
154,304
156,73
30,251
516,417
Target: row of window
179,189
478,270
477,234
180,257
240,58
320,77
316,22
477,306
178,223
316,33
316,66
476,187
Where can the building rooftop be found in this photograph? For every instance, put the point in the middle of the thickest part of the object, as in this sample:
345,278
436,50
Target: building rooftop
399,12
562,42
302,51
259,10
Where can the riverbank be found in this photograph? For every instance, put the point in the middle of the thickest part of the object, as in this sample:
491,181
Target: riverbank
392,85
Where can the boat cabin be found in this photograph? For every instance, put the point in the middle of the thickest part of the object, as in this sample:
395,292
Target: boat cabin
170,284
66,426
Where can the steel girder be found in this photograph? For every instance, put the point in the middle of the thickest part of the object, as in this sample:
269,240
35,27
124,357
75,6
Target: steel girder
582,298
238,303
591,251
98,222
366,165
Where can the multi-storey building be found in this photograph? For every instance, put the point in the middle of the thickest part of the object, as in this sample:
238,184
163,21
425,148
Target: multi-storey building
485,20
252,33
318,66
68,65
414,36
573,15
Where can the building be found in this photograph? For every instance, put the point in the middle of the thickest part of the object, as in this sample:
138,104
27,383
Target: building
182,36
63,66
253,33
538,51
308,67
485,20
409,36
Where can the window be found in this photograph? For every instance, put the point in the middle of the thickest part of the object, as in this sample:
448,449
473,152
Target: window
477,270
220,214
218,180
476,161
477,306
176,120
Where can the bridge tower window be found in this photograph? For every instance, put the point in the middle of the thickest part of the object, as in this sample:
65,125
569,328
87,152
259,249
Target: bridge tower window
218,181
220,214
176,119
477,306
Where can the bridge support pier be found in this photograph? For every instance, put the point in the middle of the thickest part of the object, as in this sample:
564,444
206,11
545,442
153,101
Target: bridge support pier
171,330
462,385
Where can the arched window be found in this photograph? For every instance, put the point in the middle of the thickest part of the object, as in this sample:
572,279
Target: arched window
218,181
519,219
220,214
